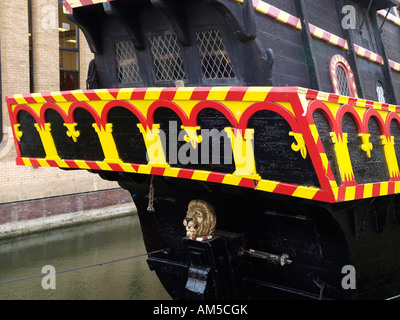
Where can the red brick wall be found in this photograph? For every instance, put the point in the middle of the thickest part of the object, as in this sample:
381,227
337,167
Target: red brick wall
33,209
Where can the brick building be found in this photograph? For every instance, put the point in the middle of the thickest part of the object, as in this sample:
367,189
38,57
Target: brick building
41,50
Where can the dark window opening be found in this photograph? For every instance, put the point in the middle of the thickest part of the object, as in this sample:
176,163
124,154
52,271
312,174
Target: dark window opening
342,77
31,78
69,52
380,92
167,58
214,58
342,81
127,63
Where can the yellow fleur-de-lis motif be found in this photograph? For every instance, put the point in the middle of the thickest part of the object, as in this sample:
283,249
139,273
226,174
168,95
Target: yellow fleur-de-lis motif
299,145
18,133
71,132
366,144
192,136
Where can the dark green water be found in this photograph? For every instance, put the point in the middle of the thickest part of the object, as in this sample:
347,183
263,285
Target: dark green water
75,247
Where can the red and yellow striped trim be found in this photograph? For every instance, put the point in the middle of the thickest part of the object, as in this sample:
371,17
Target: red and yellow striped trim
392,18
369,55
200,175
394,65
356,102
369,190
328,37
226,93
69,5
275,13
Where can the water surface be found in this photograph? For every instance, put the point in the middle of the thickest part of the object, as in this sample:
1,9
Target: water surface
75,247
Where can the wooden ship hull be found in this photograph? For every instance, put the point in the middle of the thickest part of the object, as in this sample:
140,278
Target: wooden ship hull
303,178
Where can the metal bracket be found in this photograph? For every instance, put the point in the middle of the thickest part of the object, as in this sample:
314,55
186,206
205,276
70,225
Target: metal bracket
281,259
384,20
365,16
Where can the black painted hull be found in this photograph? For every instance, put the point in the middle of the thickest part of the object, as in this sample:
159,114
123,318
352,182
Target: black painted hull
319,239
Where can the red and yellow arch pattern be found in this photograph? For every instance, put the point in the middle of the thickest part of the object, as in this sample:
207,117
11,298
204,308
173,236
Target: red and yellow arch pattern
237,104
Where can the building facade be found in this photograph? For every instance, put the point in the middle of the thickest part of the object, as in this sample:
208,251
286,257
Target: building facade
41,51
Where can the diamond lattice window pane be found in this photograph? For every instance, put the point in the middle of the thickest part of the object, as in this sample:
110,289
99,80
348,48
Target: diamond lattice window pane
214,58
342,81
380,92
127,63
167,58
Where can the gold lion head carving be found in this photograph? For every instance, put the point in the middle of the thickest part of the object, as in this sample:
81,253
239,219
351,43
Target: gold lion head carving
200,220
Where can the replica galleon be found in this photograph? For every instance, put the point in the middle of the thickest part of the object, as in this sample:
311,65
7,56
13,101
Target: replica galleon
278,118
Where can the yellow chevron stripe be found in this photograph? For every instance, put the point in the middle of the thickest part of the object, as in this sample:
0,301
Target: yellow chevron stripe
263,7
104,94
318,33
27,162
325,161
283,17
79,95
103,166
335,193
152,94
183,93
384,187
232,180
171,172
368,190
343,99
350,193
218,93
266,185
314,132
256,94
124,94
82,164
144,169
305,192
43,163
127,167
58,96
19,98
200,175
38,97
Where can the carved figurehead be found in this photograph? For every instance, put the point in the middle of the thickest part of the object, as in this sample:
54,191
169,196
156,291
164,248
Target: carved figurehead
200,220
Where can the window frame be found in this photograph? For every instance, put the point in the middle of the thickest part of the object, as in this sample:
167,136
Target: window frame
218,31
153,59
1,105
139,71
339,61
77,50
379,84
